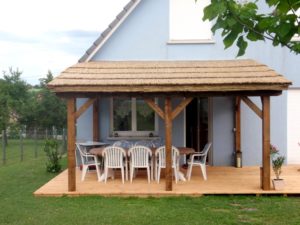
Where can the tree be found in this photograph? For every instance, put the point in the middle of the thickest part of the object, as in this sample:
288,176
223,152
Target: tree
13,97
241,21
44,108
45,81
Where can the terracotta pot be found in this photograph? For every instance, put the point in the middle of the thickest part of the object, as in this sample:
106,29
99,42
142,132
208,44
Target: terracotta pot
278,184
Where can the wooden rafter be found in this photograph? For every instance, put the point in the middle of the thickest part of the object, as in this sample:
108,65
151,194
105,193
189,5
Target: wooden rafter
84,107
180,107
252,106
155,107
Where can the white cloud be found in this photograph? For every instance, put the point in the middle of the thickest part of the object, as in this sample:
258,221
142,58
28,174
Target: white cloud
50,34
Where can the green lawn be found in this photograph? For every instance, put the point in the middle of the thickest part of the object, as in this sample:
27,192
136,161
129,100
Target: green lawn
18,205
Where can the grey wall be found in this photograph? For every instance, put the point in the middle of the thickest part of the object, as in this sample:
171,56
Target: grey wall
84,131
223,135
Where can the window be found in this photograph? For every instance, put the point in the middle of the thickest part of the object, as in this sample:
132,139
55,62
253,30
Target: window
132,117
186,22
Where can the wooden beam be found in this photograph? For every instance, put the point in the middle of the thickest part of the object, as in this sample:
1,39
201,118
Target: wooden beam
252,106
96,133
84,107
266,170
155,107
168,138
238,124
180,107
71,144
182,94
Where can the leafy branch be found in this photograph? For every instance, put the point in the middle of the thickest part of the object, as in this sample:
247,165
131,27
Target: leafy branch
240,22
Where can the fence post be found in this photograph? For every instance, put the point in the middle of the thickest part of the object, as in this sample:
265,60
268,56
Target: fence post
64,140
3,148
21,145
35,144
46,133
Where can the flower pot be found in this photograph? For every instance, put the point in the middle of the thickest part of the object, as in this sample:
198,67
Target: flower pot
278,184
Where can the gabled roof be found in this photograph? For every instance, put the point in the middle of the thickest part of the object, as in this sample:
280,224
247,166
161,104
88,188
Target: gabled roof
169,76
109,31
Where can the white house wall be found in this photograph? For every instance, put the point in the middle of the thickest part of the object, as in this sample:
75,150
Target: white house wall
144,35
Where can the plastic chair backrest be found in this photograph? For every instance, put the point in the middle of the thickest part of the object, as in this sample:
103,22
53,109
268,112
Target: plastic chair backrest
114,156
82,153
160,154
139,156
205,151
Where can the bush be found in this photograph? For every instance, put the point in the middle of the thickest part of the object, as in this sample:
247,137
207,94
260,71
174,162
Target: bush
53,163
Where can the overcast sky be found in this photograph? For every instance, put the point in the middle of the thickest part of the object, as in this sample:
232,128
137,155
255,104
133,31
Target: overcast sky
41,35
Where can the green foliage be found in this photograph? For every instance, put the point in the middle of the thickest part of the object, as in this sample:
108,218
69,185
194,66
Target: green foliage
13,96
241,21
277,164
53,164
33,107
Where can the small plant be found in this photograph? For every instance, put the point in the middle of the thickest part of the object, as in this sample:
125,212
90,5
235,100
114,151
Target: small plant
53,156
277,164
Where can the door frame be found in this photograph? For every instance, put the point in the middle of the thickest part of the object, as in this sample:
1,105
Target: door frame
210,129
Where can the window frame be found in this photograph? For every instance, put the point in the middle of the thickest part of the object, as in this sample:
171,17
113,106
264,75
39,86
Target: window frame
134,132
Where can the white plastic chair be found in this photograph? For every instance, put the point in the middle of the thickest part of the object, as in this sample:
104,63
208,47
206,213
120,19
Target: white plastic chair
115,158
160,155
140,157
200,160
87,161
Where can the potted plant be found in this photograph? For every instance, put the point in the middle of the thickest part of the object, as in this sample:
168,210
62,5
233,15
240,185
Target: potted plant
277,163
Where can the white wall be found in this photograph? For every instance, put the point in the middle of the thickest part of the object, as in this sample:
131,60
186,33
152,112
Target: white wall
293,134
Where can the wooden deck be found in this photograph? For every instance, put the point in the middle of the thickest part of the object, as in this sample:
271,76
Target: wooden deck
221,180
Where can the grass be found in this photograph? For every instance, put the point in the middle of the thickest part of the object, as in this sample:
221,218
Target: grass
18,205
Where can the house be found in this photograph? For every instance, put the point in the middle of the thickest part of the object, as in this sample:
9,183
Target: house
154,52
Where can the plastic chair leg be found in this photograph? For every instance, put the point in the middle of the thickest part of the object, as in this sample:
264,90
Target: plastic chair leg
83,172
203,169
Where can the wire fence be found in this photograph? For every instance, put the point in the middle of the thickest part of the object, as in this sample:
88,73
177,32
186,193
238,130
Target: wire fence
19,145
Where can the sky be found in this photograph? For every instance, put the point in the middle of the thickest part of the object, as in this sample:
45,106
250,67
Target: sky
41,35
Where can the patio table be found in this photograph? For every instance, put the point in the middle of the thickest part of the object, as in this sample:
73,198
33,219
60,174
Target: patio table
182,151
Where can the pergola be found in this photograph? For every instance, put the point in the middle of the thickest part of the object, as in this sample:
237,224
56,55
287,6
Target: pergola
169,79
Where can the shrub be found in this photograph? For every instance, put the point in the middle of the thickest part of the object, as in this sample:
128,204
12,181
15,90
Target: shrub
53,156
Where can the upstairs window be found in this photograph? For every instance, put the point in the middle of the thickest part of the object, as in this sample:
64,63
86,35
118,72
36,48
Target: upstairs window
132,117
186,22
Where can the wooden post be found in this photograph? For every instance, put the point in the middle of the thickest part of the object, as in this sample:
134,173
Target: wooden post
168,130
71,144
266,173
96,120
238,132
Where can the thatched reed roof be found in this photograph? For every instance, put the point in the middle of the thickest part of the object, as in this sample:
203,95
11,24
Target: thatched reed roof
169,76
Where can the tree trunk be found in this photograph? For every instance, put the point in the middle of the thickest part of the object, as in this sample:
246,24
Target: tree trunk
5,137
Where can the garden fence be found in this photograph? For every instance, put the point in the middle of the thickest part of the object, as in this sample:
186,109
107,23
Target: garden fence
19,145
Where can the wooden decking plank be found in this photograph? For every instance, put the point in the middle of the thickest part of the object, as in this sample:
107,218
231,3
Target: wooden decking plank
221,180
